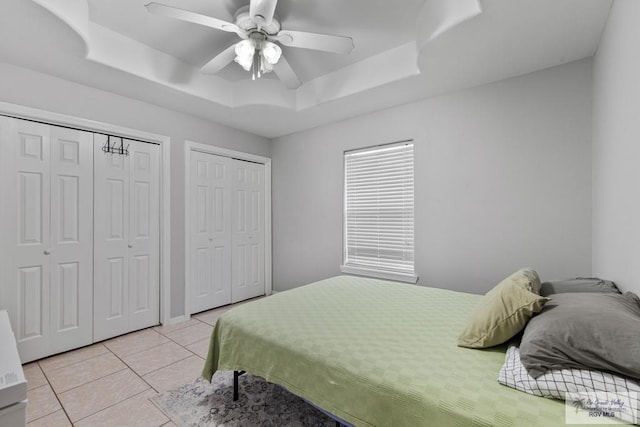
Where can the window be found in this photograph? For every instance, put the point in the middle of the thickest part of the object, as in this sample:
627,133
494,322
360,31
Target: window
378,217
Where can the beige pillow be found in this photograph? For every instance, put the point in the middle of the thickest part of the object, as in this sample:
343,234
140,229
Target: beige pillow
504,311
528,278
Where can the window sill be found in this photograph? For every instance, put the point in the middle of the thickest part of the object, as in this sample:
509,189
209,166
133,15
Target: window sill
400,277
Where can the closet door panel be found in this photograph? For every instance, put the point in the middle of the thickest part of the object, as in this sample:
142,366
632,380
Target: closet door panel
201,233
144,240
115,289
71,238
248,230
221,250
210,231
67,307
25,207
127,247
31,309
111,260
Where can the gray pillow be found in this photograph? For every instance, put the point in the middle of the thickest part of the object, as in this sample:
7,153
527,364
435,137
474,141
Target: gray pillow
579,284
594,331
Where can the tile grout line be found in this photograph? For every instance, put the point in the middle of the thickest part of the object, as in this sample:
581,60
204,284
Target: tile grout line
185,345
110,406
77,363
142,378
136,374
162,367
117,403
182,346
140,351
74,363
62,408
51,413
127,367
89,382
57,395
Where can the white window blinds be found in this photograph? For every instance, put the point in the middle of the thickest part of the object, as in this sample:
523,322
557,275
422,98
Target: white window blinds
379,209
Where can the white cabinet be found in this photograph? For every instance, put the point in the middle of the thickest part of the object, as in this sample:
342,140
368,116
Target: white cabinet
226,230
47,235
126,256
13,385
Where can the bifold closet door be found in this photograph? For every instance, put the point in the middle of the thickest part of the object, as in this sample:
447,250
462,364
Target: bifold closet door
226,253
248,230
47,229
210,234
126,260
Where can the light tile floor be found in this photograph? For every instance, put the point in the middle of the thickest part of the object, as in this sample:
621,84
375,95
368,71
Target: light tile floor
110,383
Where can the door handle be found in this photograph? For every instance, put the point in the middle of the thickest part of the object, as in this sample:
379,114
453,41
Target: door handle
130,245
47,251
211,239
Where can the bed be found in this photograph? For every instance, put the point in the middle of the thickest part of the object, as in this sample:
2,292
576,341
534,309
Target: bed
375,353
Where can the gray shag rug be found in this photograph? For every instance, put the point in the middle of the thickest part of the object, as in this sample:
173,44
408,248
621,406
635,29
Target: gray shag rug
200,403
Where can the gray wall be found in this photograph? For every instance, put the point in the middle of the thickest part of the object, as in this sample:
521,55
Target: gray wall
25,87
503,181
616,148
503,175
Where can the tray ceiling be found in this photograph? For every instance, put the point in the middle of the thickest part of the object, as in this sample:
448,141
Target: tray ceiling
403,51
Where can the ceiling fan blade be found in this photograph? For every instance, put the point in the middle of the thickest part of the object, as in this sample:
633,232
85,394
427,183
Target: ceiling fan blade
196,18
323,42
261,11
285,73
220,61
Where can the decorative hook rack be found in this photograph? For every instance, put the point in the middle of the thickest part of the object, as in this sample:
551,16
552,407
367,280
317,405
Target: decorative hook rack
114,147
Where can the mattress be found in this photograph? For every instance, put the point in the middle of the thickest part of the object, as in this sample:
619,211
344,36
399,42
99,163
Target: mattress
375,353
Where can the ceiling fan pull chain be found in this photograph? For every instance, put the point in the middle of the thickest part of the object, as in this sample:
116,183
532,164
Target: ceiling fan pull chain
261,64
253,70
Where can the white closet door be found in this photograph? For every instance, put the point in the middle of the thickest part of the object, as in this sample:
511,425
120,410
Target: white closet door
248,230
47,236
111,260
210,234
126,255
26,236
71,248
144,236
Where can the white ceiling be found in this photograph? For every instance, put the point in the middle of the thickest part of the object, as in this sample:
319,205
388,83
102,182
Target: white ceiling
404,51
196,44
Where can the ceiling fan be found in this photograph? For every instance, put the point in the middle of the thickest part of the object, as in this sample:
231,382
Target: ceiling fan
260,31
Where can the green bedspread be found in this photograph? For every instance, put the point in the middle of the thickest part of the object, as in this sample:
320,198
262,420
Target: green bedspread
375,353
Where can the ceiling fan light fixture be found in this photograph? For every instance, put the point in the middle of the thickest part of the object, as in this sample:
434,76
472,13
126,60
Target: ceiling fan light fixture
265,67
258,26
271,52
257,56
245,50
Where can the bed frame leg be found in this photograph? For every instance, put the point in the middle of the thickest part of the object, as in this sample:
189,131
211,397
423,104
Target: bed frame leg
236,375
